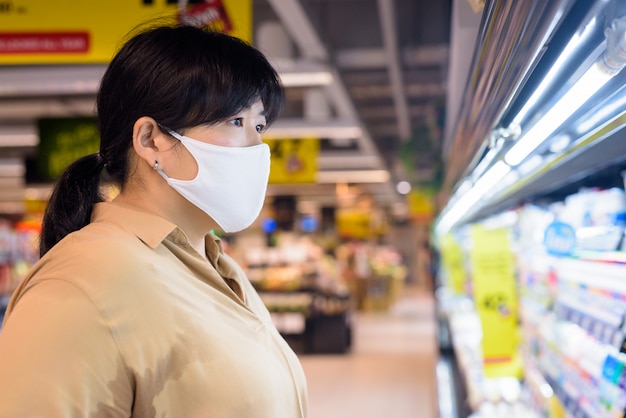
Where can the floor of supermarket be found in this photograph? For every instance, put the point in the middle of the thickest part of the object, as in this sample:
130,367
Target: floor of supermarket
390,370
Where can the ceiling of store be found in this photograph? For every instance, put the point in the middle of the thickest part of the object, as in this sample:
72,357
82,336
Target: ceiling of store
381,118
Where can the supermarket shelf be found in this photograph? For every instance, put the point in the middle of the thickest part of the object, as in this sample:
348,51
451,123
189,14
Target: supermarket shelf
603,275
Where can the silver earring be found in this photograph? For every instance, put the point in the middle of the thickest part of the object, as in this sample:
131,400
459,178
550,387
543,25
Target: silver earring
156,165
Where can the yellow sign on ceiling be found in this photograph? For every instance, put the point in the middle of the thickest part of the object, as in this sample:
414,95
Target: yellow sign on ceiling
421,205
78,31
293,160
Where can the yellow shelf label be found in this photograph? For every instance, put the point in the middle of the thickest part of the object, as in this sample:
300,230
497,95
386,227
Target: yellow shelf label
495,297
453,263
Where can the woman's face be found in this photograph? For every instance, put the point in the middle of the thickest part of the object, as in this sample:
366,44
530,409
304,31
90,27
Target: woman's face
241,130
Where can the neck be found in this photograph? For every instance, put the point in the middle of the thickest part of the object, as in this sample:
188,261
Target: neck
170,205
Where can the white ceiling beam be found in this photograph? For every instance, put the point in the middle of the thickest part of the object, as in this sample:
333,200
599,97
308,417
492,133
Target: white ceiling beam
50,80
378,112
415,90
353,176
305,37
375,58
24,135
12,207
426,56
20,108
336,160
326,193
12,167
301,72
388,24
303,128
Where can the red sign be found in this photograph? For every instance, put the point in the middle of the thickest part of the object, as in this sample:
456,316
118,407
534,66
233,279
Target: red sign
53,42
211,13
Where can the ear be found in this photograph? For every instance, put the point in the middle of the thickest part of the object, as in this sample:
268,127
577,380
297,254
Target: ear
148,140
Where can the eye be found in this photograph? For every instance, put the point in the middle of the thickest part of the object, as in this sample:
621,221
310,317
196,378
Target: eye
260,128
237,122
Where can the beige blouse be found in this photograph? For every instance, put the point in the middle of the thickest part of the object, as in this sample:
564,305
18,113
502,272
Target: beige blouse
125,319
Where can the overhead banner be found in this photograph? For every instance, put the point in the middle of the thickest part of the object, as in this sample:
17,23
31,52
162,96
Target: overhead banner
62,141
354,223
421,205
80,32
293,160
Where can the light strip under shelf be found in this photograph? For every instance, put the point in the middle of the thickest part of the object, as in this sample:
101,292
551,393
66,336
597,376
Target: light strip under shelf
590,82
469,199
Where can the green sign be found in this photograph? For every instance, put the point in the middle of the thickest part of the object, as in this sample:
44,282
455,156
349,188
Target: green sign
63,141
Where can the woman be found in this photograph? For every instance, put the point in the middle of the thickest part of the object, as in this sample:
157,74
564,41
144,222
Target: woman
134,310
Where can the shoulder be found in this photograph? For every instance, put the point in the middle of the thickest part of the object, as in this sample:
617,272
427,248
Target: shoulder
96,259
97,248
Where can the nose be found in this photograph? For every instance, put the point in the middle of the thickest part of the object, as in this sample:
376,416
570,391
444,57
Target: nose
253,136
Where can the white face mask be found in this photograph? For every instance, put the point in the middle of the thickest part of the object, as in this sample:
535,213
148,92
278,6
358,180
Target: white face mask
231,181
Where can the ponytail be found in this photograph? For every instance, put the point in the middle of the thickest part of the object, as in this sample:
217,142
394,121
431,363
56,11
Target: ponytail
72,200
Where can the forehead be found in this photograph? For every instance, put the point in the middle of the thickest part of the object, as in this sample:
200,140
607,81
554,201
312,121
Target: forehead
257,107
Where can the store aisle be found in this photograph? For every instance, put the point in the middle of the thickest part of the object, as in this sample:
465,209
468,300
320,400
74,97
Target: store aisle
390,371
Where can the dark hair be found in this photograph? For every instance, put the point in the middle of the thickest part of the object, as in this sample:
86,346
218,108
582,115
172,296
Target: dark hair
182,76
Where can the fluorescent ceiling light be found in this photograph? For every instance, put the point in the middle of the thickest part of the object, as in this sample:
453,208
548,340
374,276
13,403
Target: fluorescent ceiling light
50,80
302,128
15,207
353,176
298,73
319,78
403,187
12,167
345,160
590,82
19,135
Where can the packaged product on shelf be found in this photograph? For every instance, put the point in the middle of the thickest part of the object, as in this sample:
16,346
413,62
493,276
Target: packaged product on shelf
18,252
598,217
